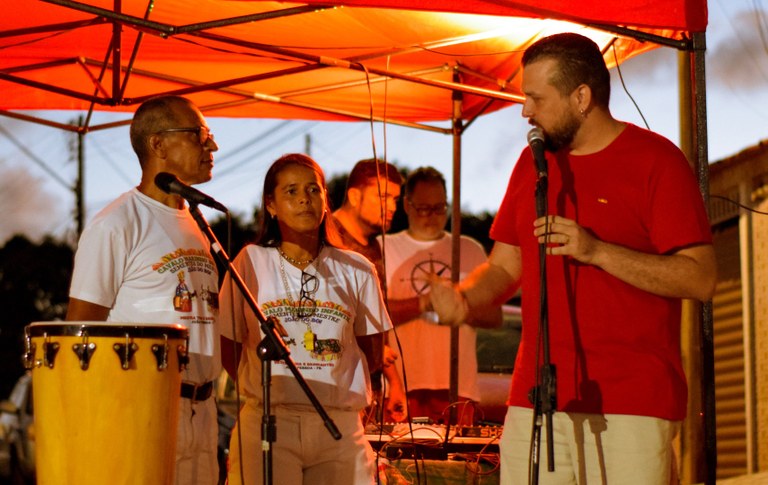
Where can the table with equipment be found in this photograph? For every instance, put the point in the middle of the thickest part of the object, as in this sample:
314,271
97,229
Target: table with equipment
420,453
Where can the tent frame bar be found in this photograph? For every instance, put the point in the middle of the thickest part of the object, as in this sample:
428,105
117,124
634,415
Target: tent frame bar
166,30
683,44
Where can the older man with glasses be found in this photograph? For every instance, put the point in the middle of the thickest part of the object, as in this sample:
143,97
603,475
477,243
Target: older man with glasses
413,257
136,252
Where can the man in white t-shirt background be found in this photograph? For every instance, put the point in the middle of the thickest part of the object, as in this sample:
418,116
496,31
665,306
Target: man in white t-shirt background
412,257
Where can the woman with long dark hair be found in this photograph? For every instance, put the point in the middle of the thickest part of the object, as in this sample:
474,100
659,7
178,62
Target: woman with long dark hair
323,297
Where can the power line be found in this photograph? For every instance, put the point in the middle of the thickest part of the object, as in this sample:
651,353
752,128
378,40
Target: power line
35,159
259,137
744,44
300,130
104,155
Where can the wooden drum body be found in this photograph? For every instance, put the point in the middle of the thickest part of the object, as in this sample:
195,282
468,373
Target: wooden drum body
106,401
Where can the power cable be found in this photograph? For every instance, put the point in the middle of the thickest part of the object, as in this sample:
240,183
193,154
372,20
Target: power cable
621,78
761,23
747,208
255,139
35,159
744,45
727,77
300,130
110,161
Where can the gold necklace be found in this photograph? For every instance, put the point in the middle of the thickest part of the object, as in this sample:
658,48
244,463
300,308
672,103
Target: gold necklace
296,262
292,304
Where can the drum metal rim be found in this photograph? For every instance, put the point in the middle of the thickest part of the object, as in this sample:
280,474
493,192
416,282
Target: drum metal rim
105,330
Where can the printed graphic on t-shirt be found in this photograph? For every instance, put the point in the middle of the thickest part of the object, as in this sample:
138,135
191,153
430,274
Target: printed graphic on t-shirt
314,339
182,301
423,272
321,349
184,263
211,299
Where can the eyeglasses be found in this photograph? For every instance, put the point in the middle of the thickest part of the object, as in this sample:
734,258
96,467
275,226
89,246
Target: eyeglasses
425,210
307,303
203,132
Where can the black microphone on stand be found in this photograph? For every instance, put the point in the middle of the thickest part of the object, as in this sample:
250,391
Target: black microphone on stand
536,142
169,183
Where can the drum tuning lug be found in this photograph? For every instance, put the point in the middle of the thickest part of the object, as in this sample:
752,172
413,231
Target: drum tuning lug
49,353
28,359
183,357
84,351
125,353
161,354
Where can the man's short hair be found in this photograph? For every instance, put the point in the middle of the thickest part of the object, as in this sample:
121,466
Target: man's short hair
423,174
152,116
579,61
365,171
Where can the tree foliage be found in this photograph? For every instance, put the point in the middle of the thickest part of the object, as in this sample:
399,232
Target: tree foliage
35,277
34,283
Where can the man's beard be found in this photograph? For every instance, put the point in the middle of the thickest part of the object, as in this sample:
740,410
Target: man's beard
376,227
561,136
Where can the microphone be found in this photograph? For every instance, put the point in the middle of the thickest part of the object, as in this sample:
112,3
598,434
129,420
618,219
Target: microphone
536,142
170,184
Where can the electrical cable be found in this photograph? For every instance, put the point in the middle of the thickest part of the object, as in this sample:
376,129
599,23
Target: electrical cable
621,78
750,209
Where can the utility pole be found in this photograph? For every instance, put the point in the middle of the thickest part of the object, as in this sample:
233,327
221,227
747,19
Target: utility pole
79,153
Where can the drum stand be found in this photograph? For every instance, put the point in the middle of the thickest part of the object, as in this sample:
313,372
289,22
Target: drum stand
270,348
543,395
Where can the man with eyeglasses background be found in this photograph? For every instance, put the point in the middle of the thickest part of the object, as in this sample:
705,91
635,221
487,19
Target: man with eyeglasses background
412,256
129,258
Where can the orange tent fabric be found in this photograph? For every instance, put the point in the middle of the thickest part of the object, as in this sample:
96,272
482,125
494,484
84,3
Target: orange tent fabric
299,61
674,14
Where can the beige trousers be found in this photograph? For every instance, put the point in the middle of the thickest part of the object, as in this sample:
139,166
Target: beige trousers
591,449
304,452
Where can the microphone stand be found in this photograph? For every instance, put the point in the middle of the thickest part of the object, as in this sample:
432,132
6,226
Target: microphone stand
270,348
543,395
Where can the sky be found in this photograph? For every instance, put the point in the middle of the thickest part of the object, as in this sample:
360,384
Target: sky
37,167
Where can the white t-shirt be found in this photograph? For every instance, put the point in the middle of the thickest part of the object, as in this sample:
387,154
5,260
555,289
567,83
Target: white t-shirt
150,264
425,345
348,302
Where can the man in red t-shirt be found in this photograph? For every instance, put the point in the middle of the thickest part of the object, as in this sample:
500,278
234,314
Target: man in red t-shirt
626,238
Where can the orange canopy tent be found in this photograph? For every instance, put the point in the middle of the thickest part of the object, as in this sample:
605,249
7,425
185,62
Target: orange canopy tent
407,62
316,60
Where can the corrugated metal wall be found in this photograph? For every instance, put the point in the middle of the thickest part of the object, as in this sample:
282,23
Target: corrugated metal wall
730,401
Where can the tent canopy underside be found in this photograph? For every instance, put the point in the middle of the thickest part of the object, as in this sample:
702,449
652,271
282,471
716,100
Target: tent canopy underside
262,59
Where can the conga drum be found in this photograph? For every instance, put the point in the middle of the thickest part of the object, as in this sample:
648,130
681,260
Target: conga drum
106,401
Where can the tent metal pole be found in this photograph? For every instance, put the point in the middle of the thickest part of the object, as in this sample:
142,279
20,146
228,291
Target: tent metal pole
117,48
707,328
698,436
453,390
80,183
